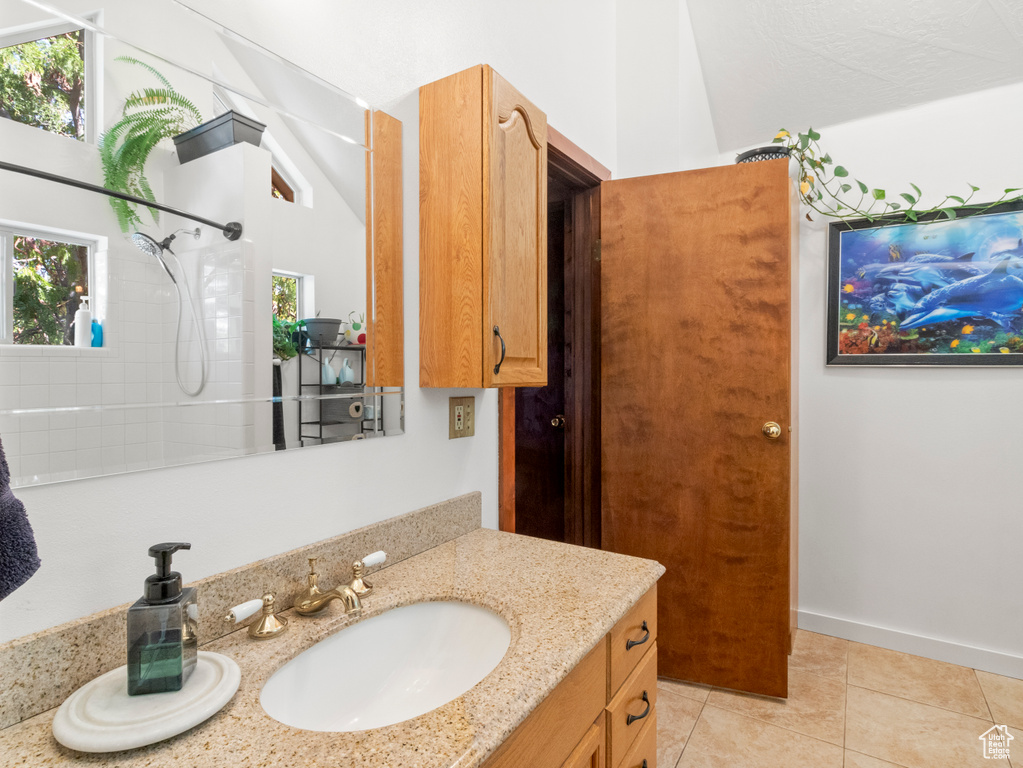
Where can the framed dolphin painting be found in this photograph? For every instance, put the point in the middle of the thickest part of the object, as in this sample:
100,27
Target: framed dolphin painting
938,292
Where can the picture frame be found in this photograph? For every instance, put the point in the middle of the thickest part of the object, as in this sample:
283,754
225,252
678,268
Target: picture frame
940,291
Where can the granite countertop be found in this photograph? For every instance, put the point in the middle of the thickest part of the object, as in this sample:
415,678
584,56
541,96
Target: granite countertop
558,599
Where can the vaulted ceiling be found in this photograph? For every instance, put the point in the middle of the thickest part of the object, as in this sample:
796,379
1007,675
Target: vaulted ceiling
799,63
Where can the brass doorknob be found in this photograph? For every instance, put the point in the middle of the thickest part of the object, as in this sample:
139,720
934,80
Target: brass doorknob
558,421
772,430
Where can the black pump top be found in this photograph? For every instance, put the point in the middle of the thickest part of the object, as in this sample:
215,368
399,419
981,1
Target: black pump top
165,585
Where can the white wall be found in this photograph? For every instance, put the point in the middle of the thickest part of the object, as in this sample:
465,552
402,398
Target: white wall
93,534
910,512
561,55
664,121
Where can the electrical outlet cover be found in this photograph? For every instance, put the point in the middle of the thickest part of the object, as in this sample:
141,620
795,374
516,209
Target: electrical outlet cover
463,425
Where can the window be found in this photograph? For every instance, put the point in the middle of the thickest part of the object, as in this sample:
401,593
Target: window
279,188
294,295
286,181
43,80
285,296
45,277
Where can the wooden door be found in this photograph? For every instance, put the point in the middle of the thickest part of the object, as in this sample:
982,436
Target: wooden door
696,288
514,236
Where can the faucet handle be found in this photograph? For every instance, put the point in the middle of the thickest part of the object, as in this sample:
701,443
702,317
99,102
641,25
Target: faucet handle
374,558
241,612
360,586
269,625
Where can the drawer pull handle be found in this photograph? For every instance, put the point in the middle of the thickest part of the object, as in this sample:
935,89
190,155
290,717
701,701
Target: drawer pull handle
497,333
633,718
630,643
644,764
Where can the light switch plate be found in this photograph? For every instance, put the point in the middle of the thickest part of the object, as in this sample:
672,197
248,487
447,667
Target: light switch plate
461,417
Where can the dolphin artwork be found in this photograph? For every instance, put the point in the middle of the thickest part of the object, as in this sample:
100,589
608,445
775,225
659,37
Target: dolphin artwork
899,300
996,295
930,275
1010,253
872,271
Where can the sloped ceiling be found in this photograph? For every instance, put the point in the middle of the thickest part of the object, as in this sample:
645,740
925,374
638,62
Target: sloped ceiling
800,63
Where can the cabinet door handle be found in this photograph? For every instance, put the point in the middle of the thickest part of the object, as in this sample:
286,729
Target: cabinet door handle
633,718
497,333
630,643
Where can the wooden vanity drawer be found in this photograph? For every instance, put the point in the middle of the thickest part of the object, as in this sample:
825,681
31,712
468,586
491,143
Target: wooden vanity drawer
551,733
643,753
629,702
623,657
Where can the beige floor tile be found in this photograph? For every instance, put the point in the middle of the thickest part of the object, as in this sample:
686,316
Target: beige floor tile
676,716
815,706
724,739
927,681
910,733
820,654
856,760
1005,697
1016,747
696,691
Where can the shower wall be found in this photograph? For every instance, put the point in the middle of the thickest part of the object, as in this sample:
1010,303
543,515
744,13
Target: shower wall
223,284
132,376
81,441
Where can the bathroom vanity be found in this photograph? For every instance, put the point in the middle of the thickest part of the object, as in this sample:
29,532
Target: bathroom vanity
569,692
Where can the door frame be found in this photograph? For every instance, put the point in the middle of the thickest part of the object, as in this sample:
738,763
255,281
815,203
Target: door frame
576,169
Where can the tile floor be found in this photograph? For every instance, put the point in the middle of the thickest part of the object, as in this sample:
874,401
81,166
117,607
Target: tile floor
850,706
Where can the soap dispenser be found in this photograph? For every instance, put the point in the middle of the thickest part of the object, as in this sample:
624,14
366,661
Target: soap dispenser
162,628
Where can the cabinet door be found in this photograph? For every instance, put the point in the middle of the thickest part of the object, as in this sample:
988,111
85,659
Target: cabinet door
589,753
551,734
514,236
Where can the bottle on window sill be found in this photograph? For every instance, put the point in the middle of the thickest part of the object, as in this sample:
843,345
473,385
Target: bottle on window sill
83,324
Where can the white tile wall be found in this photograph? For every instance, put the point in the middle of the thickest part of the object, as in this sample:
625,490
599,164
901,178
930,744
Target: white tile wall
136,366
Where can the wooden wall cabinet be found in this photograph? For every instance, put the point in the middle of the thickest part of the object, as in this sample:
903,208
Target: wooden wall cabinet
585,722
482,234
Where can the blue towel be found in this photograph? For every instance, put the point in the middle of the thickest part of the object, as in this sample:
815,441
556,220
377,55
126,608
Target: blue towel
18,556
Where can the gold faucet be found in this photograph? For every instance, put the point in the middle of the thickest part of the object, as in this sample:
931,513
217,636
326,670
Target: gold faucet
312,600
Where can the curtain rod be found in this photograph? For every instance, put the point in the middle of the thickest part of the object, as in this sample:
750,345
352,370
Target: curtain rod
232,230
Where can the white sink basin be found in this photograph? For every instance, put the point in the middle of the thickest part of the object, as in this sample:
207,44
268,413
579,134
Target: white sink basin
387,669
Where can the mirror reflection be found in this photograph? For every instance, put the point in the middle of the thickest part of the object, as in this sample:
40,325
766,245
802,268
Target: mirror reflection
133,338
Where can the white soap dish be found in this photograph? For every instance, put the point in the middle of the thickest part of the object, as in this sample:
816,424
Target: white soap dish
101,716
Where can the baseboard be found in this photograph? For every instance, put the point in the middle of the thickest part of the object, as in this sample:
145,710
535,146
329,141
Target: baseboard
918,645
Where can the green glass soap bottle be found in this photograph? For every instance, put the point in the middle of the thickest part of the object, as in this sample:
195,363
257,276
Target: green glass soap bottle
162,628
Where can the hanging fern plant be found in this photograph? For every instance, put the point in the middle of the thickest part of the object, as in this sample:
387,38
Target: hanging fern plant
150,115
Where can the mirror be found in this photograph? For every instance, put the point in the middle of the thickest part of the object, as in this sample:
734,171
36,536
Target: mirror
172,358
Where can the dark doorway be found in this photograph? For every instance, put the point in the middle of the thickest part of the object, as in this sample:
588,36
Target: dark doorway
540,411
550,436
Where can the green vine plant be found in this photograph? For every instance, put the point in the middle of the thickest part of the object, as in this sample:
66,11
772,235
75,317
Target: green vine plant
149,116
829,190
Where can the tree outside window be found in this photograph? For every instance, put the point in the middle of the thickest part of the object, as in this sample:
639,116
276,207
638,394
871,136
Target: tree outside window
285,297
42,83
50,280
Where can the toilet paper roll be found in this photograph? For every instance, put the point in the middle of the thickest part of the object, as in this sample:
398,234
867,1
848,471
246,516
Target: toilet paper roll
355,410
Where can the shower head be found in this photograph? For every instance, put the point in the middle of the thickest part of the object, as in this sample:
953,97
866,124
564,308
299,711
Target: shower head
150,247
147,245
